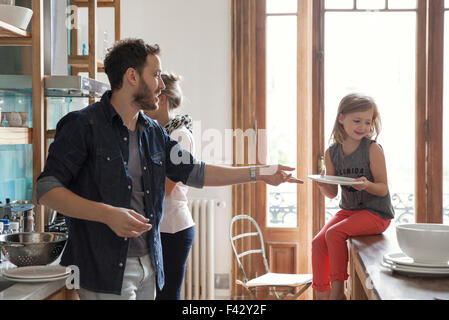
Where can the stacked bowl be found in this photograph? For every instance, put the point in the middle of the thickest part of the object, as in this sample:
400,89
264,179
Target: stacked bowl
425,250
16,16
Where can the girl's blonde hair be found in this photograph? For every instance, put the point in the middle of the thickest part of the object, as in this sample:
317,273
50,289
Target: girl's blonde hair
172,90
356,103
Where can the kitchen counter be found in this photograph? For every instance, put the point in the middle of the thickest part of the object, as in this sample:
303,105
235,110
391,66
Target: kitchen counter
27,291
369,280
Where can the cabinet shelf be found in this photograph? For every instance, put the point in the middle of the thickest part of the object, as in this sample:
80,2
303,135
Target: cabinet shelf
16,41
81,63
50,134
100,3
11,135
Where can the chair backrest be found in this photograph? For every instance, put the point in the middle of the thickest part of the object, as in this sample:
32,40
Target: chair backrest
234,238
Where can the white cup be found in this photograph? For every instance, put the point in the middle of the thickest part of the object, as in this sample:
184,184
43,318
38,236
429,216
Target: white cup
15,226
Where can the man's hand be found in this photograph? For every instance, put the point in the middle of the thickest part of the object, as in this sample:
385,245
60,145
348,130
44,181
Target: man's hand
126,223
276,174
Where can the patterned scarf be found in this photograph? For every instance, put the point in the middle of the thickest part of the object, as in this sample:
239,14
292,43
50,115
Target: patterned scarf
178,122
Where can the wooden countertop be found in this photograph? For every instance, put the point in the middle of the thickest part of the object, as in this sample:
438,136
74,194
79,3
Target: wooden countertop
381,283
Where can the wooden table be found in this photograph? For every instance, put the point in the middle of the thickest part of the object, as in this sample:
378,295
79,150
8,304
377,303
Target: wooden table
369,280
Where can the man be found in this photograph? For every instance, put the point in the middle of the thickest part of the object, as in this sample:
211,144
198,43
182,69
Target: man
106,173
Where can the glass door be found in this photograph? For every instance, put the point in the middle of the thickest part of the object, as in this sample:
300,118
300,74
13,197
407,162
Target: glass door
277,207
281,107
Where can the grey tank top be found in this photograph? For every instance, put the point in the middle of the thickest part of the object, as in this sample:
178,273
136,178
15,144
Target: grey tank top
356,165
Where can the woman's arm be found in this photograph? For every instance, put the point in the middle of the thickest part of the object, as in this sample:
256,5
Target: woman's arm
379,171
185,140
169,186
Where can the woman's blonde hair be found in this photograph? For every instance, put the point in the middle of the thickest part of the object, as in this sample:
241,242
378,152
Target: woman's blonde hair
355,102
172,90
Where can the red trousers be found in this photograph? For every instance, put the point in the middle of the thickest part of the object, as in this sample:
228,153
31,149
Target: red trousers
329,248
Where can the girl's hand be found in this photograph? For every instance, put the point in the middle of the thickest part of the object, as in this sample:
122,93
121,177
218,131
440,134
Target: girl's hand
361,186
321,185
322,174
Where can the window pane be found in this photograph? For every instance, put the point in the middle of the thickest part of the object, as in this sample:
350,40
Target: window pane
281,115
377,58
446,123
282,6
446,4
371,4
402,4
339,4
105,31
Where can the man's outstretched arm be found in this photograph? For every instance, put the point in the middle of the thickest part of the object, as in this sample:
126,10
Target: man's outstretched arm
215,176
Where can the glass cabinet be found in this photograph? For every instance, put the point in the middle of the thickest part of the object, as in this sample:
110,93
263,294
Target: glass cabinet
63,94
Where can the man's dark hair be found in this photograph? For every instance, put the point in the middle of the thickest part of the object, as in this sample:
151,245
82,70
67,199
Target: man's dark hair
125,54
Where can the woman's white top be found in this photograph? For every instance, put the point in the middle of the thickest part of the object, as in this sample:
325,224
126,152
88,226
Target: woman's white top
177,216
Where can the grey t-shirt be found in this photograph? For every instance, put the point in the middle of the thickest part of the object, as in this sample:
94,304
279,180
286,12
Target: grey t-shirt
138,247
356,165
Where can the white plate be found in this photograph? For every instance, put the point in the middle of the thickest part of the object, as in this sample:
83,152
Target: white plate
37,272
401,258
344,181
36,280
416,270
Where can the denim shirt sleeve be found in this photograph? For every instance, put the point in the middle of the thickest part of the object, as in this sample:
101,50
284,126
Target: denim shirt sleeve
182,166
46,184
66,154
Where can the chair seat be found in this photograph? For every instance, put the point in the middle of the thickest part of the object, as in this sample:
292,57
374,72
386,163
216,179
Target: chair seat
280,279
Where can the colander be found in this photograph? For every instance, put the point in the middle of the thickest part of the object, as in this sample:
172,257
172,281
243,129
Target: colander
32,249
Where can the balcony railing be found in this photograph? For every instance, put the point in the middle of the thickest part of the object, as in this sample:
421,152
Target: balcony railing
282,208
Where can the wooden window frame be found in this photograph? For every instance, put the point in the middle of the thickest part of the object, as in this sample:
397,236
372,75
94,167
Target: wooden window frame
433,212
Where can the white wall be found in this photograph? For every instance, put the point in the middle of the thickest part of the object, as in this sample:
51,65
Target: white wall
195,38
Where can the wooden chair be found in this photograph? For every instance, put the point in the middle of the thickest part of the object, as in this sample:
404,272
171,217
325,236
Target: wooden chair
281,285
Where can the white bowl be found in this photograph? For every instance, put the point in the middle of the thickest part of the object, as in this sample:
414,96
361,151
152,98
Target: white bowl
424,242
16,16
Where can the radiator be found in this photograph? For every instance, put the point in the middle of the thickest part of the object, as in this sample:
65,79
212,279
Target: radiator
199,278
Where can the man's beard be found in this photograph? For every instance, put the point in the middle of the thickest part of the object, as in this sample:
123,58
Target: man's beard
144,97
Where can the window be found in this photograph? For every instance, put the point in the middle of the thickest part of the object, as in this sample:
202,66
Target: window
377,58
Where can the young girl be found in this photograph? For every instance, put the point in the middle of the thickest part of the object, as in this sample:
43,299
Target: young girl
177,227
366,208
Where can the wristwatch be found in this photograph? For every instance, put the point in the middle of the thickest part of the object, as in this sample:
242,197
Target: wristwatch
252,174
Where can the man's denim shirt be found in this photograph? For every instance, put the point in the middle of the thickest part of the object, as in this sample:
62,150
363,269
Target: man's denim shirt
89,157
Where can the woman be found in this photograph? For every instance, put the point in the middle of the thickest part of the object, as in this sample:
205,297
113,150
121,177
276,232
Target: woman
177,228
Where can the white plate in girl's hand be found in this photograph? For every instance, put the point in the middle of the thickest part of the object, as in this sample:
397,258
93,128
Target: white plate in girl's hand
344,181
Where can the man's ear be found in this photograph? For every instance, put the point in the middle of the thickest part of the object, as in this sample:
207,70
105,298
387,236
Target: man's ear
131,76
